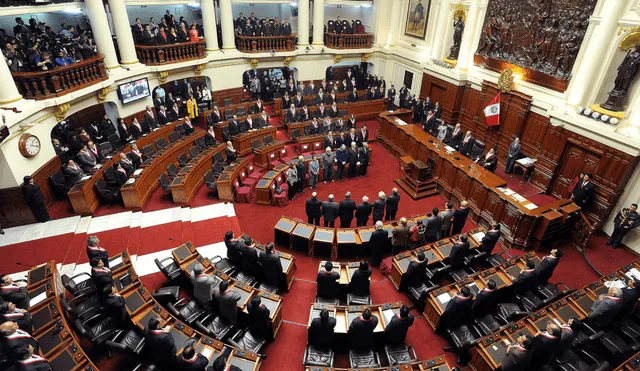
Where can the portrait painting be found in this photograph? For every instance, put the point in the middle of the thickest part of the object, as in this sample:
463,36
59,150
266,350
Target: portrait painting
417,18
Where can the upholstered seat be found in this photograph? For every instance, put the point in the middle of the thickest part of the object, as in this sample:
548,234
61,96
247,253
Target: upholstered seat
358,300
169,268
318,357
245,278
166,295
495,260
329,301
217,327
488,324
129,342
459,275
83,309
79,284
188,311
509,311
96,329
363,358
245,340
462,337
530,301
399,354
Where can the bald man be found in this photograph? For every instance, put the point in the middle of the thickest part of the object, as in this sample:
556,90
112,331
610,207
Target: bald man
313,207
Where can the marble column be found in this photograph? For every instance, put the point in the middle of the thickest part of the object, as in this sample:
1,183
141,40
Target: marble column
303,23
9,91
444,21
226,22
101,32
121,26
318,22
468,44
582,82
209,24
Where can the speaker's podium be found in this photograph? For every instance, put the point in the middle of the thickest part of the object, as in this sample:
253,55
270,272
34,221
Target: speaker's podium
416,179
282,231
347,244
323,242
301,237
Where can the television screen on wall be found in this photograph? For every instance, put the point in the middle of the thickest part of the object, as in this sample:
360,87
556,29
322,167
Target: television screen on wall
134,90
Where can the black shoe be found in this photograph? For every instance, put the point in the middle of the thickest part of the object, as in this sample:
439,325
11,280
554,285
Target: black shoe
1,231
609,243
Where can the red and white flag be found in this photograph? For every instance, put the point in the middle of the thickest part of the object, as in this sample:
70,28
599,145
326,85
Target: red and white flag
492,111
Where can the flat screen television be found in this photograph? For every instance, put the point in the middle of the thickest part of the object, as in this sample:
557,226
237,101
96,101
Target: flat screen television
134,90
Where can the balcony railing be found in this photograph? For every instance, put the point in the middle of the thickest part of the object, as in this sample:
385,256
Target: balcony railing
348,41
153,55
265,44
59,81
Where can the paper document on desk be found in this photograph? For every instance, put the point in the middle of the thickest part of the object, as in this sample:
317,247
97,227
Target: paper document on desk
116,261
137,172
131,181
449,149
518,197
207,352
616,283
444,298
98,166
86,177
400,122
526,161
507,191
633,273
38,299
388,314
478,236
531,206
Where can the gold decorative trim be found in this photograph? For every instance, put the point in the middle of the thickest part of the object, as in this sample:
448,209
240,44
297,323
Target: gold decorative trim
5,101
631,39
225,48
452,62
212,49
604,111
337,58
505,81
287,61
459,10
61,110
365,57
112,67
162,76
130,62
254,63
197,70
102,95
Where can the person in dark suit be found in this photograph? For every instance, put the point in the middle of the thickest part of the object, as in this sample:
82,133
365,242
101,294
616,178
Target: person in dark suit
519,355
361,331
150,119
95,251
364,159
350,138
547,265
136,129
354,159
512,155
378,207
35,199
456,137
527,279
327,281
215,115
467,144
345,210
233,248
432,225
250,259
188,126
363,135
14,340
227,301
86,159
321,331
163,116
28,361
313,209
625,220
271,265
123,130
95,132
202,284
129,164
220,364
458,310
234,126
329,212
392,204
430,122
292,114
459,250
9,312
485,300
416,272
630,296
100,274
378,240
545,345
400,236
231,152
459,218
360,281
396,331
304,114
583,191
605,309
259,322
73,172
210,137
10,292
342,155
488,161
363,211
353,96
190,360
160,342
107,127
114,306
490,239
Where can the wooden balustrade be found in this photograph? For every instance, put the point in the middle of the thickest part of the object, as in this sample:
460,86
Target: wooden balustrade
153,55
59,81
265,44
348,41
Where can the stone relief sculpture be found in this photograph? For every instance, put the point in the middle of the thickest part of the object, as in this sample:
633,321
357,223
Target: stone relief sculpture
627,72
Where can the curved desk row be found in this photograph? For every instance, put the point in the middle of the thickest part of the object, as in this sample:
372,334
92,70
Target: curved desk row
490,351
135,194
341,97
217,127
362,109
187,256
83,196
302,125
434,364
266,153
288,262
231,173
190,177
344,315
242,142
459,178
248,106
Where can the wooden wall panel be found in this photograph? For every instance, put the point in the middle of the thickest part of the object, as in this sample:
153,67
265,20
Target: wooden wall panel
449,95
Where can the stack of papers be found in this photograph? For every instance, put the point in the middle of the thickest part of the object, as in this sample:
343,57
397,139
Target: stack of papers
98,166
617,283
388,314
131,181
38,299
86,177
137,172
400,122
518,197
449,149
527,161
507,191
531,206
633,273
444,298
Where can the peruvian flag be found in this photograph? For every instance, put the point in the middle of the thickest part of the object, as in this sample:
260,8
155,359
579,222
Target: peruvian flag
492,111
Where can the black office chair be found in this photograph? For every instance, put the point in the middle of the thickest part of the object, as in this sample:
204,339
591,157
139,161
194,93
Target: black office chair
166,295
161,143
194,151
188,311
477,149
115,141
105,149
217,157
180,130
581,360
148,150
400,354
172,170
218,168
255,144
169,268
314,356
268,139
200,143
241,111
223,264
82,306
366,358
217,327
226,133
77,286
462,339
109,177
247,341
228,114
174,137
107,195
183,160
97,329
211,183
60,185
126,342
295,133
228,102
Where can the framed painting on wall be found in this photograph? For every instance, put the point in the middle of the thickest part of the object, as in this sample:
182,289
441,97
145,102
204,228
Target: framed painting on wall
417,18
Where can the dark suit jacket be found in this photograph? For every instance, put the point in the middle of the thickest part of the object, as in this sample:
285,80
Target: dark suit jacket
359,284
346,209
489,242
458,311
363,211
396,330
582,193
135,132
603,311
234,127
259,322
545,269
485,302
465,148
378,209
460,217
163,119
361,332
392,203
321,333
544,349
313,207
292,116
328,285
378,241
526,281
416,273
227,303
432,226
161,345
455,140
517,359
458,252
272,268
150,121
329,210
233,251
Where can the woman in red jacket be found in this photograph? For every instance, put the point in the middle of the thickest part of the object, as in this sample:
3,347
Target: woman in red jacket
573,184
193,34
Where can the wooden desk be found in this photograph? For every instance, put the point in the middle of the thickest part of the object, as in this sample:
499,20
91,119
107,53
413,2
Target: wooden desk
185,185
242,142
341,97
345,314
202,122
265,154
435,364
525,167
362,109
323,242
459,179
288,262
282,231
266,185
217,128
229,176
83,196
136,194
39,274
302,236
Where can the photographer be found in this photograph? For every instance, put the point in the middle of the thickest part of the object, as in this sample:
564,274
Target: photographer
63,59
15,59
43,62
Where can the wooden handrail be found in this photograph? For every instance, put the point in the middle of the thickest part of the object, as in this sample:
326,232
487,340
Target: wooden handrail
153,55
582,231
59,81
261,44
348,41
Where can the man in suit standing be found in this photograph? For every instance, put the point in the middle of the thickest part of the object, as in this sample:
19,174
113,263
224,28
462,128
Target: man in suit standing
215,115
353,96
467,144
526,280
458,311
400,237
433,226
313,209
547,265
329,212
364,159
545,345
456,137
227,301
234,126
378,241
346,210
249,256
292,114
86,159
301,168
328,159
583,191
354,161
416,273
259,322
490,239
460,218
203,285
391,95
488,161
163,116
272,266
107,127
363,211
512,155
459,251
392,204
403,93
160,342
150,119
327,281
361,331
233,248
378,207
73,172
396,331
321,331
605,309
446,217
485,300
342,156
625,220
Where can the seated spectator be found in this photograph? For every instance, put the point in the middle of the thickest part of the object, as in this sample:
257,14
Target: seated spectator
43,61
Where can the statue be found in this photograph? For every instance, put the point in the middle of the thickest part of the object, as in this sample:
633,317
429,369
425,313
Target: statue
627,72
458,29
